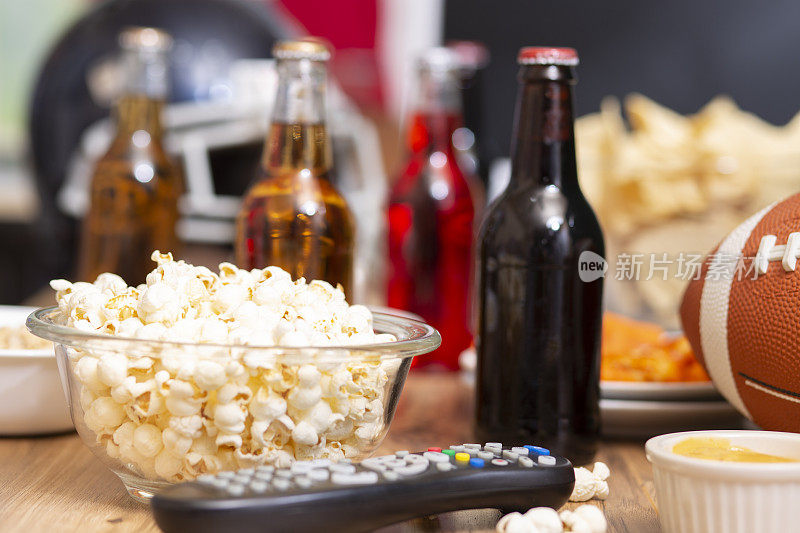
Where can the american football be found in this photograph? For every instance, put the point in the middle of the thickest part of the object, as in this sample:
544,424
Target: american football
741,314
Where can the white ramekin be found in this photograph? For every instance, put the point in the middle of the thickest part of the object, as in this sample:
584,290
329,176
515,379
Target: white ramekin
31,395
707,496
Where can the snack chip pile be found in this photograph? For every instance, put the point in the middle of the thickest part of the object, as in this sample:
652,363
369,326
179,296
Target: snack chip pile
639,351
666,185
666,164
193,409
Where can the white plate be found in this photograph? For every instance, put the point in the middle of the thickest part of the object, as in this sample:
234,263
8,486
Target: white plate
632,390
627,418
31,397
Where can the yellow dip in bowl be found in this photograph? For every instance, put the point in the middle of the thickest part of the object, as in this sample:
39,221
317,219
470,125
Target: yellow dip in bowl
719,449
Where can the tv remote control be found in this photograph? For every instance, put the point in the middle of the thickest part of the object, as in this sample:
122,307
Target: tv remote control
321,495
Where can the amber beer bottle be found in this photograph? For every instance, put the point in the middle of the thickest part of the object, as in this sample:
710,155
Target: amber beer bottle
292,216
135,187
538,322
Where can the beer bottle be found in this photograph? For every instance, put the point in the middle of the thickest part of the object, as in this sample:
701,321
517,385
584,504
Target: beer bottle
431,214
538,322
135,187
292,216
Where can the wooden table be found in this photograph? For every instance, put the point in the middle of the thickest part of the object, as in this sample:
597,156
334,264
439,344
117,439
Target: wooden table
55,484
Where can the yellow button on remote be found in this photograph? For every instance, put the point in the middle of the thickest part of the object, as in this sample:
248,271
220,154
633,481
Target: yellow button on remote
462,457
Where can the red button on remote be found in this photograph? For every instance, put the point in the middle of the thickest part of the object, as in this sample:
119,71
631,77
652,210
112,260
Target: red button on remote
434,449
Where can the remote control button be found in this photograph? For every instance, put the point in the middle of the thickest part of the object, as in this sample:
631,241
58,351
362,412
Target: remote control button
547,460
303,482
537,450
319,475
373,464
265,468
457,447
499,462
342,469
259,486
220,484
244,480
475,462
472,446
486,456
493,445
361,478
401,454
263,476
385,458
434,449
413,469
283,474
511,456
226,475
395,463
391,475
235,489
520,450
302,467
527,462
415,458
320,463
445,467
246,471
449,452
436,457
462,457
281,484
206,479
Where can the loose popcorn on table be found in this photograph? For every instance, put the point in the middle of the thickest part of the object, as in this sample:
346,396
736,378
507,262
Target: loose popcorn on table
190,410
585,519
591,483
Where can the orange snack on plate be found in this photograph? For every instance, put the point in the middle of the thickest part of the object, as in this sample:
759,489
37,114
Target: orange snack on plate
640,351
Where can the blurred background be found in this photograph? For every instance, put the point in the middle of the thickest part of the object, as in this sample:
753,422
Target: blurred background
659,166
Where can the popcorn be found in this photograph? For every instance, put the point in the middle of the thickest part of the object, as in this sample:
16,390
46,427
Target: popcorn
147,440
175,411
112,368
584,519
591,484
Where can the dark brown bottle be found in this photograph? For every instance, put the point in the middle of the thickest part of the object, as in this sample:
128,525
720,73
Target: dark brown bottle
539,323
135,186
292,216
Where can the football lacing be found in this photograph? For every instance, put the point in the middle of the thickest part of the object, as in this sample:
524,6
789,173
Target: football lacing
786,253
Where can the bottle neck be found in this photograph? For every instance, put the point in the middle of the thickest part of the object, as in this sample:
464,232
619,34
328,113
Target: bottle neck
438,111
145,90
137,112
298,138
543,150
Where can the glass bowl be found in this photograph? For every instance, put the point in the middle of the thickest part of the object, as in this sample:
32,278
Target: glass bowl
160,412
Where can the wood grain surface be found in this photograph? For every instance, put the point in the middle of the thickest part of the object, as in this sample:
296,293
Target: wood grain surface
53,484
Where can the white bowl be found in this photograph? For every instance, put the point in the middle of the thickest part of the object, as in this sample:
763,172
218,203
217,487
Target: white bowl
705,496
31,397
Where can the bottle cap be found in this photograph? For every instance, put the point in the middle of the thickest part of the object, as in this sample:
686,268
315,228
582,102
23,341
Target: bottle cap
472,55
309,48
545,55
141,38
439,59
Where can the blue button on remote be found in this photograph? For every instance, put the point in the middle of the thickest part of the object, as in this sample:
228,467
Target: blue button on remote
538,450
476,462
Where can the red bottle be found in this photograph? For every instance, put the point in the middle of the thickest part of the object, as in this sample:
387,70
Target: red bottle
432,211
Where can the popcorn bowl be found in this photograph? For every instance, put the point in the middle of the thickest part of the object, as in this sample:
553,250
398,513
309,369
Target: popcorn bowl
159,412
